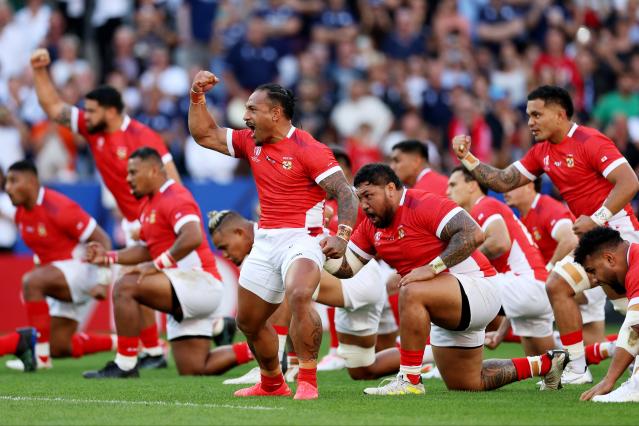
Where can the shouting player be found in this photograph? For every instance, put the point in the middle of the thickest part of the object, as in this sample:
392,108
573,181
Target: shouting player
112,136
175,272
409,160
293,173
509,247
432,242
613,262
55,228
550,224
591,175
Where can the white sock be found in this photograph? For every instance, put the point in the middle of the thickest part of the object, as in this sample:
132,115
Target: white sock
607,349
577,354
154,351
428,355
114,340
43,350
410,369
281,339
126,363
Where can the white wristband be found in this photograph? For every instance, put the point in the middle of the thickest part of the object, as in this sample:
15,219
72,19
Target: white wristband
549,266
438,265
601,216
470,162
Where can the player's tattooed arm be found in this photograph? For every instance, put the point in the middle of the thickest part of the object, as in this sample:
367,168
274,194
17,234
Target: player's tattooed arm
463,236
496,373
345,270
63,117
500,180
337,187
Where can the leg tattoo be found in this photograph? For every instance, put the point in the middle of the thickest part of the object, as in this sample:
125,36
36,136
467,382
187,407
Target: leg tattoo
496,373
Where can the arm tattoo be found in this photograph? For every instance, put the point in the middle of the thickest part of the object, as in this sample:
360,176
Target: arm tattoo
337,187
64,117
496,373
500,180
345,270
460,234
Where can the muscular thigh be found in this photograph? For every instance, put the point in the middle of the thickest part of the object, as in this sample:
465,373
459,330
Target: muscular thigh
460,367
190,354
252,311
441,296
153,291
52,282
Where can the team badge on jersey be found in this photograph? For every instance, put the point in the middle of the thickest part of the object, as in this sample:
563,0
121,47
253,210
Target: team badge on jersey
42,230
257,151
121,152
536,234
570,161
400,232
287,164
152,217
378,235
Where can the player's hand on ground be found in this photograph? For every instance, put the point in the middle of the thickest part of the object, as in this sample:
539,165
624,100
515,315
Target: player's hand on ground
333,247
145,269
99,292
492,339
583,224
601,388
95,253
423,273
461,146
204,81
40,58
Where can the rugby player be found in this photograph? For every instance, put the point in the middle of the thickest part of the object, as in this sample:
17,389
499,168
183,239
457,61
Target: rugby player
432,242
175,273
112,136
550,222
55,228
611,261
518,261
293,173
409,160
595,180
359,301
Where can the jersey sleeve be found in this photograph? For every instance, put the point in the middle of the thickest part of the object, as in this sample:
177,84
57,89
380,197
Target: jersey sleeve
237,142
320,163
78,123
74,221
434,213
553,216
603,155
531,165
361,241
486,213
181,211
155,141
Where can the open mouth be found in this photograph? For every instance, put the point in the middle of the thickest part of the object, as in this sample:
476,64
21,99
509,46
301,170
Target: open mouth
251,126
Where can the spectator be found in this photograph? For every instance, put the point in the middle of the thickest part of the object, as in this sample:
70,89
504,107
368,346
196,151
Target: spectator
335,24
12,133
469,120
205,164
68,64
407,39
8,231
624,101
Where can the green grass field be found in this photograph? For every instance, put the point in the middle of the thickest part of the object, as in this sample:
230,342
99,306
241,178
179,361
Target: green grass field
62,396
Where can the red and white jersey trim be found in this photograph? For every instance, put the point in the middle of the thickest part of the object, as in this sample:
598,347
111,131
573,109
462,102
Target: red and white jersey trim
447,219
359,251
558,224
491,219
327,173
88,231
40,198
184,220
572,130
618,162
229,142
524,171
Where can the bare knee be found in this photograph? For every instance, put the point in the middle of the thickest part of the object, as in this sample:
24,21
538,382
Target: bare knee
32,286
299,297
125,287
247,325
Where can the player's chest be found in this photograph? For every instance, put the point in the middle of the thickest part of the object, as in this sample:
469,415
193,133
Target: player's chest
152,222
398,241
267,161
114,151
563,163
34,228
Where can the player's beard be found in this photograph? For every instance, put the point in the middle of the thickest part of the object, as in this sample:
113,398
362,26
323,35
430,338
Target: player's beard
385,217
98,128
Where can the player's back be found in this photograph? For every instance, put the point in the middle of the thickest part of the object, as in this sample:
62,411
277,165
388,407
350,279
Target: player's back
524,256
54,227
162,216
543,220
431,181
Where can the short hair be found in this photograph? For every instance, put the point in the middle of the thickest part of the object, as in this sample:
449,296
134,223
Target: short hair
23,166
596,240
554,95
216,218
468,177
340,154
107,96
378,174
413,146
281,96
146,153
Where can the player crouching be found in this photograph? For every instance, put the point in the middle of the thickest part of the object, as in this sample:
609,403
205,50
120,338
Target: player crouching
175,272
432,242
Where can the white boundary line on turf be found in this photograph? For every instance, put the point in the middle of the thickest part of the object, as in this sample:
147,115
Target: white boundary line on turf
124,402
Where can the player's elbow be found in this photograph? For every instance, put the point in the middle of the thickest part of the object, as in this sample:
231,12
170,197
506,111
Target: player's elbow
478,236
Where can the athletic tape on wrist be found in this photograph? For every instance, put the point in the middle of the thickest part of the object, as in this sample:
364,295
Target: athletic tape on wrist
344,232
165,260
601,216
197,97
438,265
111,258
470,162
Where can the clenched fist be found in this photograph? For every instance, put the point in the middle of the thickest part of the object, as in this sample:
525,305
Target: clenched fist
204,81
40,58
461,146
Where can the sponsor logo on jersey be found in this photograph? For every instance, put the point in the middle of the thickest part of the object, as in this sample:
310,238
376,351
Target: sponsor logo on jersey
42,230
256,153
570,161
121,152
604,158
378,235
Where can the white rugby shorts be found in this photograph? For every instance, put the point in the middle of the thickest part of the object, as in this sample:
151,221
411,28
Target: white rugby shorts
595,309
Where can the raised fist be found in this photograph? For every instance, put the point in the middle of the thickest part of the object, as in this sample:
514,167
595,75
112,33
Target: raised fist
40,58
204,81
461,146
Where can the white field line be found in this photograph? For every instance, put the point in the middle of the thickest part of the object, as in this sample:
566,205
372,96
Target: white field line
124,402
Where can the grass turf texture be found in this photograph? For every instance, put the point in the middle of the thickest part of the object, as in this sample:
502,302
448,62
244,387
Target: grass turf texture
159,397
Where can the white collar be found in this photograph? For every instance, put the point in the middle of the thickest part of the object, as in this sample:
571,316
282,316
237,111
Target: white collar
166,185
535,201
572,130
479,199
40,198
422,174
125,123
401,201
290,132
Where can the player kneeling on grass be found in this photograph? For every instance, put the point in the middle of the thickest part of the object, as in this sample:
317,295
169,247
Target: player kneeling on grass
58,290
175,273
432,242
359,300
611,261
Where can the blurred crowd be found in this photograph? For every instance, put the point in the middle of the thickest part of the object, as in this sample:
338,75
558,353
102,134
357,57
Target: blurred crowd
366,73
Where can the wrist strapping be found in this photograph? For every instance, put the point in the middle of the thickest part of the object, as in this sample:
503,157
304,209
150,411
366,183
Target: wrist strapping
470,162
438,265
601,216
344,232
165,260
110,258
197,97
